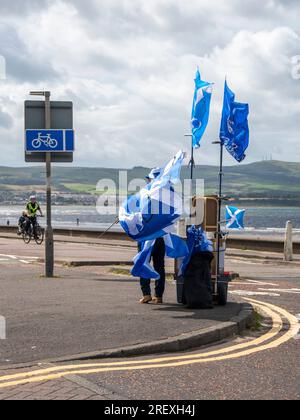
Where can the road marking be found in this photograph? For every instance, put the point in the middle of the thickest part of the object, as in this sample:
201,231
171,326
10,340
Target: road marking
276,328
23,260
272,311
295,291
293,321
27,257
262,283
249,293
242,283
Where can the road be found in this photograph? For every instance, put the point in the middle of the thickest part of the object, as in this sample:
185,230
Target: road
263,364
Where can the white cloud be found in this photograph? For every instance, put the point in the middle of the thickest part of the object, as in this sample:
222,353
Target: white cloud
129,66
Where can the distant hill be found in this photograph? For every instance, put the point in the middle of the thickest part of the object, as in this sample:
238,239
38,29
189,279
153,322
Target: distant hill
268,179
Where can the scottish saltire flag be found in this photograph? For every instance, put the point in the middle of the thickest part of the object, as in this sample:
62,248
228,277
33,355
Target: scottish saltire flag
234,218
142,267
175,248
151,214
197,241
201,107
154,210
234,132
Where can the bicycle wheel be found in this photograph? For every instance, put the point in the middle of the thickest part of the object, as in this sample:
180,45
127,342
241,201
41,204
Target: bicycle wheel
36,143
26,238
39,235
53,143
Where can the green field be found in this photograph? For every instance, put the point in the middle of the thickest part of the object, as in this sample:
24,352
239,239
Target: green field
269,179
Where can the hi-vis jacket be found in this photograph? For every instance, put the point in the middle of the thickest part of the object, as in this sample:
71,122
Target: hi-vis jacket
32,209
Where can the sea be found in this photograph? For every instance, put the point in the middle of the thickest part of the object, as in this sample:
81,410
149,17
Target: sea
258,220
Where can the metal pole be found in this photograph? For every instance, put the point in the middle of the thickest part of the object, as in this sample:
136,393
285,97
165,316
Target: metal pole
108,229
192,162
219,233
49,245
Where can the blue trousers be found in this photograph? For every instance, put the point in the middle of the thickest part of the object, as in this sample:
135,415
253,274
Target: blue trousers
158,257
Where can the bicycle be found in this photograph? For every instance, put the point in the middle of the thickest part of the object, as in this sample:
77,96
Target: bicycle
47,140
37,234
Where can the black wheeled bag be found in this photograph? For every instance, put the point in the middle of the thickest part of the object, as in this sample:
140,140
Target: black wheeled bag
198,292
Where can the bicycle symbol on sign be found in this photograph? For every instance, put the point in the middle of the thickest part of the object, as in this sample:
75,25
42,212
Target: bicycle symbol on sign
46,140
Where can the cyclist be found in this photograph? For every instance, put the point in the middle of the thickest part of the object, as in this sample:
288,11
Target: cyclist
32,208
23,222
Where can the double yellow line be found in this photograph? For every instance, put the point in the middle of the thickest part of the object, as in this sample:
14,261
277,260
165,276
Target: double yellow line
265,342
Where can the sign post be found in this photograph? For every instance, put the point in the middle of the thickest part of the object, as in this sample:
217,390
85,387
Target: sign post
49,248
49,137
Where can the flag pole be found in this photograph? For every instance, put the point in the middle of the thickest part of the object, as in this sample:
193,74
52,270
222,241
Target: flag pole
220,200
192,161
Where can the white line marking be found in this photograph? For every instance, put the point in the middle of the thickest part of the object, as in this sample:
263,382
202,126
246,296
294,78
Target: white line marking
24,260
262,282
295,291
239,283
248,293
26,257
19,256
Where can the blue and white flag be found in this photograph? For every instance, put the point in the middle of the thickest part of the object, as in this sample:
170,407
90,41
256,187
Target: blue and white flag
175,248
155,209
197,241
151,214
142,267
201,107
234,132
234,218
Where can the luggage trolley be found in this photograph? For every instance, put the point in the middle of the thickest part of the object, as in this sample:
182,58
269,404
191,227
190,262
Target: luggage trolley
220,278
205,211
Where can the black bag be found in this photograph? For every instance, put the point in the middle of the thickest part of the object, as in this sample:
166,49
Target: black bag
198,292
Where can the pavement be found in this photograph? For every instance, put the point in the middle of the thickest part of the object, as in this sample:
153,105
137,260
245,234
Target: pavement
81,311
88,308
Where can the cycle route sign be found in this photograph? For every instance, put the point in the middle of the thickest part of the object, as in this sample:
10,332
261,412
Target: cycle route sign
49,141
39,140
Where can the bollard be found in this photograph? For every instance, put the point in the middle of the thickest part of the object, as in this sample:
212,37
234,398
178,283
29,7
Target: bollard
2,328
288,242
